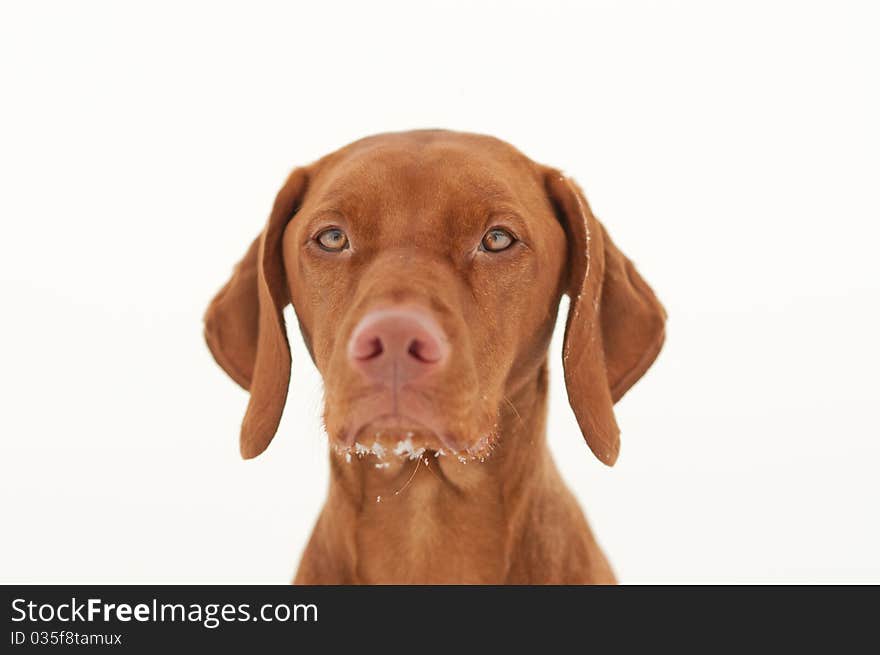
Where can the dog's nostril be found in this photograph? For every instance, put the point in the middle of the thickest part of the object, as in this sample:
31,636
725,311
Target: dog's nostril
371,349
397,345
423,352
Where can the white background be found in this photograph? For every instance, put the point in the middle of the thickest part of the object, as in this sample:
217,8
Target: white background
731,149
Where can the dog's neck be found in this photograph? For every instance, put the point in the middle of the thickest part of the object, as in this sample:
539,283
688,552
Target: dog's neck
437,519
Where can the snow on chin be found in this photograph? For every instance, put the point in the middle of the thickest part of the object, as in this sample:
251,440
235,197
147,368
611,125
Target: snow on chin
376,449
407,449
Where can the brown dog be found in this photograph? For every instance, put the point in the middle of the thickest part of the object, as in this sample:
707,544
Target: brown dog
426,269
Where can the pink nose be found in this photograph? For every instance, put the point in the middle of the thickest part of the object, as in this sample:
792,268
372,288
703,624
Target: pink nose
397,345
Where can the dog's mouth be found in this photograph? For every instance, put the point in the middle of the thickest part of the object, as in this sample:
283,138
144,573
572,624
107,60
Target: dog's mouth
393,437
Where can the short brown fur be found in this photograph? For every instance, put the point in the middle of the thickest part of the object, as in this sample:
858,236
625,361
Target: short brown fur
415,204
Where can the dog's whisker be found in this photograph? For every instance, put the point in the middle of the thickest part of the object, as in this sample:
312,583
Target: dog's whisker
513,407
418,461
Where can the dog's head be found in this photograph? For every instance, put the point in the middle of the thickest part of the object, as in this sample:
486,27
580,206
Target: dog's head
426,269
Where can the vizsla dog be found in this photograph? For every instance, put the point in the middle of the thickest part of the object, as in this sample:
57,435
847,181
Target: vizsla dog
425,269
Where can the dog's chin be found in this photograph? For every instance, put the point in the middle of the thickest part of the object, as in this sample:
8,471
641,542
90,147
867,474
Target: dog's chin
408,427
391,437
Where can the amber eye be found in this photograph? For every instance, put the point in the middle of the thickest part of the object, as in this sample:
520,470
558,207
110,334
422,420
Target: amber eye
497,239
332,239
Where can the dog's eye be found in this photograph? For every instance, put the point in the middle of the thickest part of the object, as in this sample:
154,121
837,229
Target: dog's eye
332,239
497,239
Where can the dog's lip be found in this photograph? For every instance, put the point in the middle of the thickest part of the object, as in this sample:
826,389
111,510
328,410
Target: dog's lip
389,423
398,426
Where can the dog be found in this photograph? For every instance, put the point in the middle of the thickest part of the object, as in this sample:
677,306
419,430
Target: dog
425,269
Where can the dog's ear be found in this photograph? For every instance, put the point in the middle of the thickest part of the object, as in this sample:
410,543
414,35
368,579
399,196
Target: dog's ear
615,325
244,324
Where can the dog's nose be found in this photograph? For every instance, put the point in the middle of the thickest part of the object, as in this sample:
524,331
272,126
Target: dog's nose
397,345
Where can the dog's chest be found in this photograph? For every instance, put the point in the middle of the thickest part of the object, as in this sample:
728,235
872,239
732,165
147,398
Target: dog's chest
423,538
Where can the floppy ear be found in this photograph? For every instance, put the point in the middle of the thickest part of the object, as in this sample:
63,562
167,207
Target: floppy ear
615,325
244,324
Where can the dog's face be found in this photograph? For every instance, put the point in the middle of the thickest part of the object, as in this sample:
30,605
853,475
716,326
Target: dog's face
449,246
425,269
